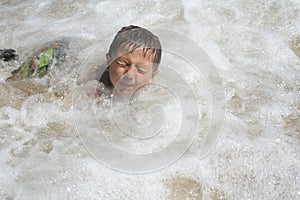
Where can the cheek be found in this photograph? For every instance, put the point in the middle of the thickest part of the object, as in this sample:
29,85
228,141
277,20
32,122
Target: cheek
114,74
144,79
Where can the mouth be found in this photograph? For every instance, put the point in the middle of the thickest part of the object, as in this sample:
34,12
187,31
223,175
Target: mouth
126,85
125,88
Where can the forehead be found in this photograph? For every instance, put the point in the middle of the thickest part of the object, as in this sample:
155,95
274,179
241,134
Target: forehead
140,54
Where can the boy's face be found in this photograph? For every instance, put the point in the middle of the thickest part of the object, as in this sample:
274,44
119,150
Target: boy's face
131,70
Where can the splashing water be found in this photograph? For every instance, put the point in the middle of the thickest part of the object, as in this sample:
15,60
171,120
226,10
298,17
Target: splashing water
254,45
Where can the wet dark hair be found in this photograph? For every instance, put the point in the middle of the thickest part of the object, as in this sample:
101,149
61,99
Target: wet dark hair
132,37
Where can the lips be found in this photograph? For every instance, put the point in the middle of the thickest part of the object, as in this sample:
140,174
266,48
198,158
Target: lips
122,84
125,88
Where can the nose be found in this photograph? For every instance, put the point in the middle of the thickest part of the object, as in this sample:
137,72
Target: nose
130,73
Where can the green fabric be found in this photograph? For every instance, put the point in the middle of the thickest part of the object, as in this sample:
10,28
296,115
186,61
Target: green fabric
25,71
42,71
39,64
43,60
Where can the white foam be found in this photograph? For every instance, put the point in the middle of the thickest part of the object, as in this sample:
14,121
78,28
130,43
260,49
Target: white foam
42,157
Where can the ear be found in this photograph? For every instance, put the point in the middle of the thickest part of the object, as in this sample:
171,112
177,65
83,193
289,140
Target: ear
108,61
153,74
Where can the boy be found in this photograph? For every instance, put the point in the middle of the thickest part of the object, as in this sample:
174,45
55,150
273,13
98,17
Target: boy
132,60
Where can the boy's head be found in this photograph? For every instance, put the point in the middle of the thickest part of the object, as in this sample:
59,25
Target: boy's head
133,58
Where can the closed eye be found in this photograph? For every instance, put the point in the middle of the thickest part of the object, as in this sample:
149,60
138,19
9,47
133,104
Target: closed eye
122,63
142,70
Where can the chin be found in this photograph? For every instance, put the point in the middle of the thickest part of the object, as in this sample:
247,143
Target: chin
125,91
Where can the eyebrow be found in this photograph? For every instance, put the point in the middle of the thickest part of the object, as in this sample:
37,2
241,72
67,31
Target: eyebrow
141,65
121,58
145,65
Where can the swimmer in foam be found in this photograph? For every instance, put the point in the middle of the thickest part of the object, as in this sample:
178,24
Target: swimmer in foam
131,62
